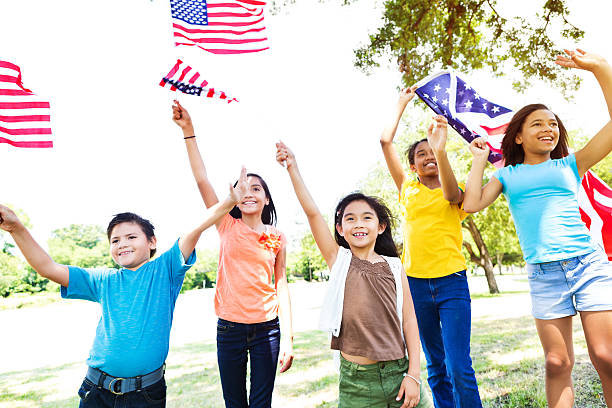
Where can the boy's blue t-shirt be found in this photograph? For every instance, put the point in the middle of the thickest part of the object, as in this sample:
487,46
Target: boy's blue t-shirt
543,200
133,333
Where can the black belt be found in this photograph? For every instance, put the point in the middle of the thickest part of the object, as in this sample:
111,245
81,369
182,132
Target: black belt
119,385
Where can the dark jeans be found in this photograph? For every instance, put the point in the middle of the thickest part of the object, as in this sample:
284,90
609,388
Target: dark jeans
94,397
236,343
444,316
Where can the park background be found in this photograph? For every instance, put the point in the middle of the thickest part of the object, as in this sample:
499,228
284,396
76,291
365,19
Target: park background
116,149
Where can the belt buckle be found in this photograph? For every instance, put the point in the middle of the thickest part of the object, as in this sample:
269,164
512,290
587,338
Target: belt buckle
113,383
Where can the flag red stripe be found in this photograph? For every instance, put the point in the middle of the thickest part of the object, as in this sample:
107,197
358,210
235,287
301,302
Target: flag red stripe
194,78
14,92
6,64
215,23
24,105
221,40
27,131
224,51
253,2
495,131
25,118
35,144
197,31
227,14
8,78
231,5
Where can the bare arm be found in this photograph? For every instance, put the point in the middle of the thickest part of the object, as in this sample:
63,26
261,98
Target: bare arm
33,253
410,388
601,144
181,118
323,237
476,196
213,215
436,136
386,139
284,308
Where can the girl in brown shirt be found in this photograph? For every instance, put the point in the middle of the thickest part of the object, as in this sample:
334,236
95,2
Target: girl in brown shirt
376,330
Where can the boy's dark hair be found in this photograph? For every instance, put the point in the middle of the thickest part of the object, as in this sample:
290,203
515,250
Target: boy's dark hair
513,153
412,149
384,242
144,224
268,214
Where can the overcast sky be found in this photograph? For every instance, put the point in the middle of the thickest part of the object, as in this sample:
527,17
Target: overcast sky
116,148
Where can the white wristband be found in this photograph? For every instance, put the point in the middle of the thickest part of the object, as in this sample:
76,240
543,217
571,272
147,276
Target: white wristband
415,379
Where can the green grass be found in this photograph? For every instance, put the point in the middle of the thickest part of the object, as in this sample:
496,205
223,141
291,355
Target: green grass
506,353
21,300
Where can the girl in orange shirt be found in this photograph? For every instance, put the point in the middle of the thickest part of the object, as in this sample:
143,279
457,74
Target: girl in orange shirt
251,290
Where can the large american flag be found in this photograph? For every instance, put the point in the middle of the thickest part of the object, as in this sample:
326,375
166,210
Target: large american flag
220,26
185,79
472,115
24,117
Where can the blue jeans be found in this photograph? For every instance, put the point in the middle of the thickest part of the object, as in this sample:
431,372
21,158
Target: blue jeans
444,316
236,343
94,397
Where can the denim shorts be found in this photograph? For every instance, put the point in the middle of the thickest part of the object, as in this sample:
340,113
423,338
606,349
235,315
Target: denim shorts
560,288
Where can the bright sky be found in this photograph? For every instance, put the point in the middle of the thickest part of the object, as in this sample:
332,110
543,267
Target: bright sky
116,148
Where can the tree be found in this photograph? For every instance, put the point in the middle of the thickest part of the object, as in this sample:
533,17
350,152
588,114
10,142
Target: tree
309,260
203,274
423,36
83,245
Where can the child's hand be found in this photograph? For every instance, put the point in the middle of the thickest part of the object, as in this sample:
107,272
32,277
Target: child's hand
242,187
284,156
437,132
285,357
479,148
181,117
580,59
411,391
8,219
406,95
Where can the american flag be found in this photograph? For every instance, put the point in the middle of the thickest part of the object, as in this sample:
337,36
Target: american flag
187,80
472,115
220,26
24,118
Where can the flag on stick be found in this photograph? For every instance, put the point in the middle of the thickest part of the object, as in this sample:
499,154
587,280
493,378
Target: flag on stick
220,26
472,115
187,80
24,118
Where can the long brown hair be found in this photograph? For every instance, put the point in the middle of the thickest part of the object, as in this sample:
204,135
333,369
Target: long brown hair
513,153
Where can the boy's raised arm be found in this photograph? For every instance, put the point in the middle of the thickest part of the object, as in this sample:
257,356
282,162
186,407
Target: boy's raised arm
323,237
214,214
33,253
436,136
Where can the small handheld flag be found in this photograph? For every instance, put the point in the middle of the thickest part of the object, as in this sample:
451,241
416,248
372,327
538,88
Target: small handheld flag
187,80
24,117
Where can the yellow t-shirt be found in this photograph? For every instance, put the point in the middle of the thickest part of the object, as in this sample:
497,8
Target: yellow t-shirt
432,232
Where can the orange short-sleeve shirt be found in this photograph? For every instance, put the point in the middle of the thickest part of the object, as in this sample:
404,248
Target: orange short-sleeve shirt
245,290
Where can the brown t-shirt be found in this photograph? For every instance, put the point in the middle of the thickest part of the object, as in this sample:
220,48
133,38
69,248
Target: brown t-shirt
370,324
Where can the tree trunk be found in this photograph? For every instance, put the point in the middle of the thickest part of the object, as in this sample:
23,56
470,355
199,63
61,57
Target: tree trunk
484,260
499,257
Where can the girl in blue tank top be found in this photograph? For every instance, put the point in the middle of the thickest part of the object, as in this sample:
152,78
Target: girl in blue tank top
568,272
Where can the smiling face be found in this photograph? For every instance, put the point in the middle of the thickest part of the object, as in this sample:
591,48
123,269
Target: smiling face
360,225
539,134
425,164
129,245
255,199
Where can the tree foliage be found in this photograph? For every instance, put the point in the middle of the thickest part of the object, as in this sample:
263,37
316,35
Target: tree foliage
203,274
83,245
308,262
423,36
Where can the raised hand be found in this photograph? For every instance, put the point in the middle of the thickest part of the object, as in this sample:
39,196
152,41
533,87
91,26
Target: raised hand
437,132
580,59
181,117
284,155
8,219
479,148
241,188
407,94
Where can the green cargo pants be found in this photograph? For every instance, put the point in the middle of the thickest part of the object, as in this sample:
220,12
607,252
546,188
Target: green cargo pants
374,385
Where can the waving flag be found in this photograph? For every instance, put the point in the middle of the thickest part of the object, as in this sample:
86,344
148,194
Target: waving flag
220,26
187,80
472,115
24,118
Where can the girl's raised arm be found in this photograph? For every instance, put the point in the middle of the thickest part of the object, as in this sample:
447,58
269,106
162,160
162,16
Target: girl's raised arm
601,144
181,117
386,139
476,196
322,235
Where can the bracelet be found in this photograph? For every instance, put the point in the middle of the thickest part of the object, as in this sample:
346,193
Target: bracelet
415,379
189,137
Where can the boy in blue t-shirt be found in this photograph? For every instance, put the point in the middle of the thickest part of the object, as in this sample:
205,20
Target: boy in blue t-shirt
126,362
